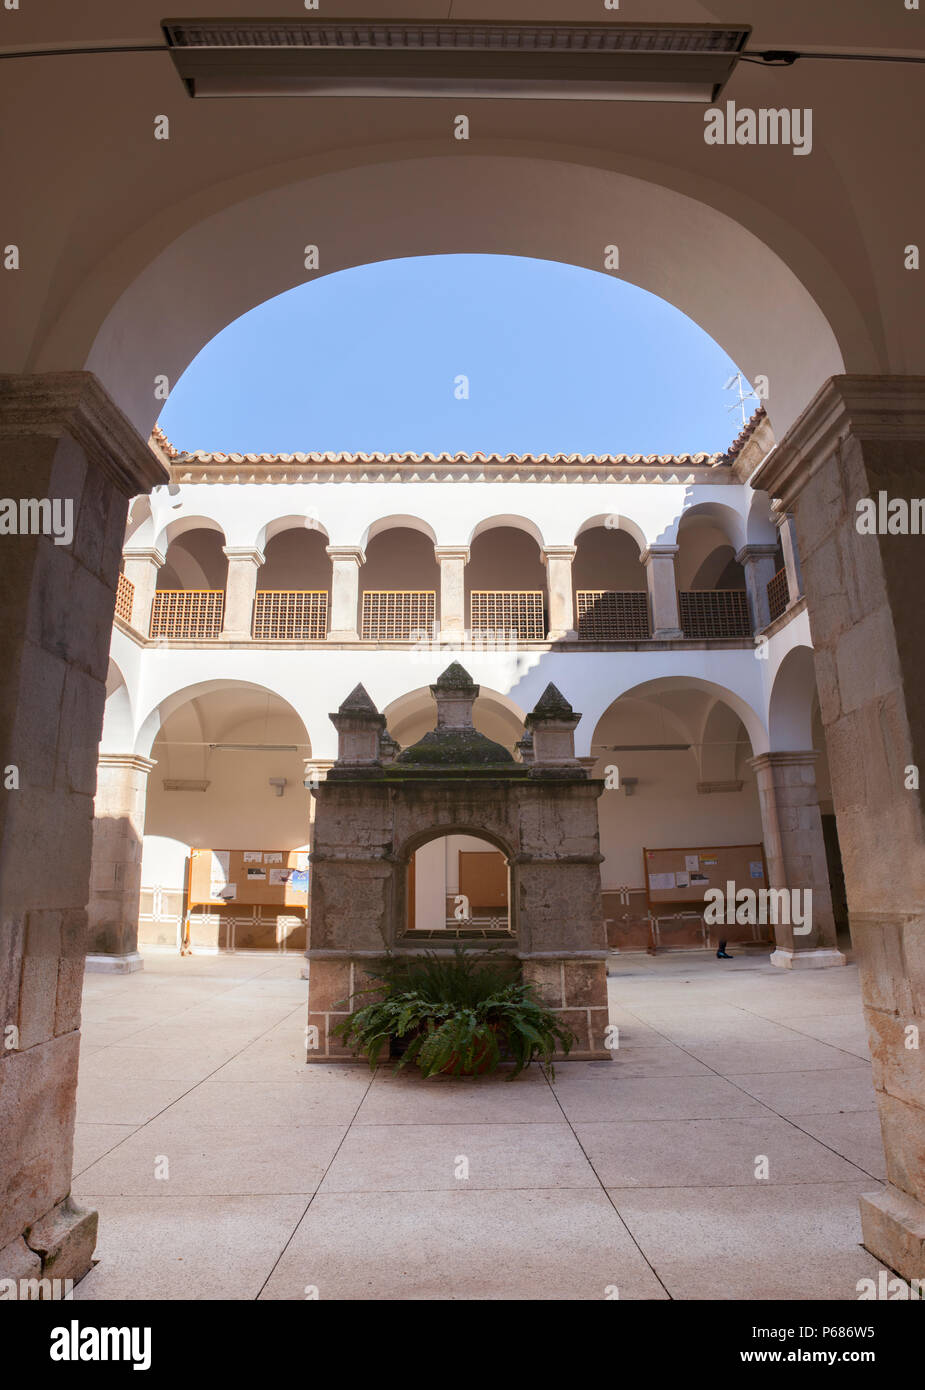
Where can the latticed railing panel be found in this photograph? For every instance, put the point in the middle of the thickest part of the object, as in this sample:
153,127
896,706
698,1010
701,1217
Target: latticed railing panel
396,615
778,593
612,615
187,613
125,598
518,611
291,615
714,613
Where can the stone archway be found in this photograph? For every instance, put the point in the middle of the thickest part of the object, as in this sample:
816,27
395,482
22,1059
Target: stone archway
374,808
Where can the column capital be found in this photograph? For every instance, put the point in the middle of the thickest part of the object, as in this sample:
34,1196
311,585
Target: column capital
136,761
867,407
805,758
78,405
316,768
559,552
755,552
144,552
244,552
451,552
346,552
658,552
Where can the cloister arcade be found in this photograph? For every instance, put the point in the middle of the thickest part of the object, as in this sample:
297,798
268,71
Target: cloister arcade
140,251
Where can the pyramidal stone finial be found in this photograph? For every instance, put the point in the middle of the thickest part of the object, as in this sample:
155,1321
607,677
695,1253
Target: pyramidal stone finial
359,725
358,702
552,723
455,678
552,704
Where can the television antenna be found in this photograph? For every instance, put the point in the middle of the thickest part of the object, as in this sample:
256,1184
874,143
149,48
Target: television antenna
736,382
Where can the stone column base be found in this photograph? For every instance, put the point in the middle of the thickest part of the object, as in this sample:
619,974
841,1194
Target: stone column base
817,958
114,965
58,1248
667,634
893,1230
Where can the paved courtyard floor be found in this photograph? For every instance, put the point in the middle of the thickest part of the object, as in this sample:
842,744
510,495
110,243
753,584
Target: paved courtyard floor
224,1167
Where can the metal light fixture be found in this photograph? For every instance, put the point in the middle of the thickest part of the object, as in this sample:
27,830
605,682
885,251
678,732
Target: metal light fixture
453,58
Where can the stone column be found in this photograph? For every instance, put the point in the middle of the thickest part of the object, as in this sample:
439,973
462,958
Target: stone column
115,870
345,591
452,560
141,567
558,561
760,565
240,589
795,851
316,770
860,437
61,439
788,544
663,591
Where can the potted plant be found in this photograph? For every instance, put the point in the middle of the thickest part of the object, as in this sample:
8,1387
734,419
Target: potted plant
461,1014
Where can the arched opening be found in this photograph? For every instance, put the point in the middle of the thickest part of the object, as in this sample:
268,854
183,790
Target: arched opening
712,593
457,887
675,759
292,598
229,783
506,584
189,593
399,585
611,600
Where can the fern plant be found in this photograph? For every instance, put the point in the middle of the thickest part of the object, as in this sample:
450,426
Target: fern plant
461,1015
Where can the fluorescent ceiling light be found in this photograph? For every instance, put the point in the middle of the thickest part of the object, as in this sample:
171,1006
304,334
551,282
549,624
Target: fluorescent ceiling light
381,58
253,747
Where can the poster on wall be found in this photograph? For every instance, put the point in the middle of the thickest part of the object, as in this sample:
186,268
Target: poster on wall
279,876
256,875
273,856
253,856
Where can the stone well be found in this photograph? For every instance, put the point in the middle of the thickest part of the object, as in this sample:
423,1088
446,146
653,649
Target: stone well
375,809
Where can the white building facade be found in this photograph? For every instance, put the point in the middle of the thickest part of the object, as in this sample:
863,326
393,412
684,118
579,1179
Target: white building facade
660,595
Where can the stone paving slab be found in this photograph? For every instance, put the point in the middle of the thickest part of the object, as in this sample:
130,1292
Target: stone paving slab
638,1174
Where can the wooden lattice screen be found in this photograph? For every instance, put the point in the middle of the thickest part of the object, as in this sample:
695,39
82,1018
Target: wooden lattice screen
513,610
125,597
610,615
187,613
714,613
778,593
391,615
291,615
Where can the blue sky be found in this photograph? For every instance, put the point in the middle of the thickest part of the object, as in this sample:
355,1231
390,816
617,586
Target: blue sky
559,360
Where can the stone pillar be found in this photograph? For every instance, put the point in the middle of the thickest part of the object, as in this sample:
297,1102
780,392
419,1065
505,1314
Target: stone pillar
240,589
316,770
141,567
760,565
115,870
795,851
345,591
663,591
61,439
863,436
788,544
558,561
452,560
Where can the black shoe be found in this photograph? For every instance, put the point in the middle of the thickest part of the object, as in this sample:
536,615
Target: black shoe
724,955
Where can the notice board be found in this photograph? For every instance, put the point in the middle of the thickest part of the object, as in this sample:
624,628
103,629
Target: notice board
255,878
685,875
